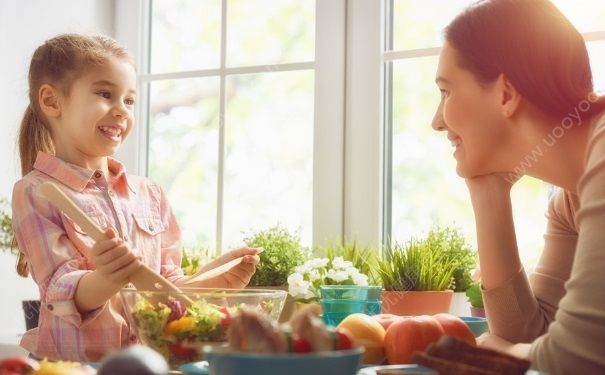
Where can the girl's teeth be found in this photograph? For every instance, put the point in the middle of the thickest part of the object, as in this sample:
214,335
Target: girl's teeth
111,131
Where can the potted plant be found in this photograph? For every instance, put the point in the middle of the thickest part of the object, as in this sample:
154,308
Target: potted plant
364,258
417,278
193,260
455,248
283,251
475,298
31,308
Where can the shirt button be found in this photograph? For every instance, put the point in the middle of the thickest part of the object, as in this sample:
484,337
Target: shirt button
111,193
133,338
97,175
50,307
151,228
125,238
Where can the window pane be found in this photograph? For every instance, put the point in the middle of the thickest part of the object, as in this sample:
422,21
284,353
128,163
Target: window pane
183,153
416,24
269,154
185,35
426,188
596,51
270,32
586,15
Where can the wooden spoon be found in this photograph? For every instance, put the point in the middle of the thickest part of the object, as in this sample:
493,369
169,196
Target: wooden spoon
144,279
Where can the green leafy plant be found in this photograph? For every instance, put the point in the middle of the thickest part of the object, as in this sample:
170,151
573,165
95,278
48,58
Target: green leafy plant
193,260
364,258
283,252
473,293
419,265
454,248
6,227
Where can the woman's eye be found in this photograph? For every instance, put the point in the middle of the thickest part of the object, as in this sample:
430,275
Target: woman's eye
104,94
444,93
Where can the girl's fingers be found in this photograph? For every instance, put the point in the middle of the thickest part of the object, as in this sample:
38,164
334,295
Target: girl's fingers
120,262
252,259
124,273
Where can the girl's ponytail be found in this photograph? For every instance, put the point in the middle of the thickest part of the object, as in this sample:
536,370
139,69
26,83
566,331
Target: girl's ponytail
34,136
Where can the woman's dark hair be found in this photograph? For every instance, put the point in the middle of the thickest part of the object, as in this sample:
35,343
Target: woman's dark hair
536,48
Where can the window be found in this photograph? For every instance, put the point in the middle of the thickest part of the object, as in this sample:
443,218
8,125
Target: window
229,107
422,188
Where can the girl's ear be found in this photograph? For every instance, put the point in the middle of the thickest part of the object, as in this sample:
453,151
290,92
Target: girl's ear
510,97
48,97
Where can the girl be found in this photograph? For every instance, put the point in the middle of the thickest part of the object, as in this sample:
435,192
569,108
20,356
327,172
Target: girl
82,92
517,99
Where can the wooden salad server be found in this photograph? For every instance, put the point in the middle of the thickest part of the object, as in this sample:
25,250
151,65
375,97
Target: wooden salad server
144,279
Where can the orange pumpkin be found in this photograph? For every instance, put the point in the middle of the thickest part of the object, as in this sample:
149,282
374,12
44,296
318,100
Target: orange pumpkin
386,320
454,326
409,335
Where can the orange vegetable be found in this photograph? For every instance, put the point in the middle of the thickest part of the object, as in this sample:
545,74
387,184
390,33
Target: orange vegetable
409,335
454,326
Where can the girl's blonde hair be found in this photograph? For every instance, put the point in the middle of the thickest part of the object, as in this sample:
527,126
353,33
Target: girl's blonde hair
59,62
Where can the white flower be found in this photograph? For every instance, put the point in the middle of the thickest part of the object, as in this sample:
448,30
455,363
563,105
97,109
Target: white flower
337,276
318,262
340,263
314,275
360,279
298,287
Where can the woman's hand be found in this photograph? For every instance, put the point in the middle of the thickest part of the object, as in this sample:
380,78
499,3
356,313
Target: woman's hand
113,258
501,181
487,340
238,276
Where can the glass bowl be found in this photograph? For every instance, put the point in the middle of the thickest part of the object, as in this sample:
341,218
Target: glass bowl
178,325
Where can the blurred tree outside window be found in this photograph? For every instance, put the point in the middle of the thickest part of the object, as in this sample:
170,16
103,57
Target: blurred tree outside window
256,171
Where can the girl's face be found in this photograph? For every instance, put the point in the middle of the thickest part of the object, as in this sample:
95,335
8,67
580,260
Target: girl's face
470,113
97,116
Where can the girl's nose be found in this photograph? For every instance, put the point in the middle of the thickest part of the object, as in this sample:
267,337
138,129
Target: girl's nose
120,110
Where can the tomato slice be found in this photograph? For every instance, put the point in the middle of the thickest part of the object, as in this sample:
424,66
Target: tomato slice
343,340
226,320
182,352
300,345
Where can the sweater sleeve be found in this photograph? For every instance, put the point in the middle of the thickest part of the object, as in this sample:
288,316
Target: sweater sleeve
522,308
575,341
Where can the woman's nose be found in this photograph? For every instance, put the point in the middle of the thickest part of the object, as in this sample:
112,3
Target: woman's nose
438,124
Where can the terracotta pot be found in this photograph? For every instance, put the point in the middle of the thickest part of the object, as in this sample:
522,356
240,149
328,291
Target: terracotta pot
416,303
478,312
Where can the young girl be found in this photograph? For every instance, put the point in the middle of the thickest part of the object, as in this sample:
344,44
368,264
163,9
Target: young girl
82,92
518,99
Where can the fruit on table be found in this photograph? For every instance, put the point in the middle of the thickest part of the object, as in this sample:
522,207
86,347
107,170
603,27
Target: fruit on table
409,335
368,332
17,365
386,320
454,326
62,368
134,360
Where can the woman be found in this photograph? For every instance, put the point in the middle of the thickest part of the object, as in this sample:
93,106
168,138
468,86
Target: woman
518,99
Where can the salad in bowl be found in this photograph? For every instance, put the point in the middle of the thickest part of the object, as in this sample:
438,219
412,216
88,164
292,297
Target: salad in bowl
178,326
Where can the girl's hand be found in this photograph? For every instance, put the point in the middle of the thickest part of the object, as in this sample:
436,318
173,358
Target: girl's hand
114,259
238,276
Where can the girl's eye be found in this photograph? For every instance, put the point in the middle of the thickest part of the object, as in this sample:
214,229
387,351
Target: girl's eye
129,101
104,94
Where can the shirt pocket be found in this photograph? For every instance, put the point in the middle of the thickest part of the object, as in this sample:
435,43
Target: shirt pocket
78,236
148,238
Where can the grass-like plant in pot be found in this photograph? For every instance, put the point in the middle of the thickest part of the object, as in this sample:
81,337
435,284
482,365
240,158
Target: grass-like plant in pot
417,278
283,251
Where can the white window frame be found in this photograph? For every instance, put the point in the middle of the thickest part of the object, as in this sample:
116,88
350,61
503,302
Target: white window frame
132,31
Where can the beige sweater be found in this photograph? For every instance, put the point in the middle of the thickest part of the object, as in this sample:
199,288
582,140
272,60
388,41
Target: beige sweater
560,308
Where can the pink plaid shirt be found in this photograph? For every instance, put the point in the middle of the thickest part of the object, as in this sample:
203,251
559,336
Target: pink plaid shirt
59,251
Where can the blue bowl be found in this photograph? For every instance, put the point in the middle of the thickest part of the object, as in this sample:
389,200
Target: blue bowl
404,369
477,325
222,361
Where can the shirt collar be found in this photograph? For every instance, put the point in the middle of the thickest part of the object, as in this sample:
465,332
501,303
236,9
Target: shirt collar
76,177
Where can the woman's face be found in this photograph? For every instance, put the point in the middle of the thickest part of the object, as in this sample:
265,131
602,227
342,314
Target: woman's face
470,112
